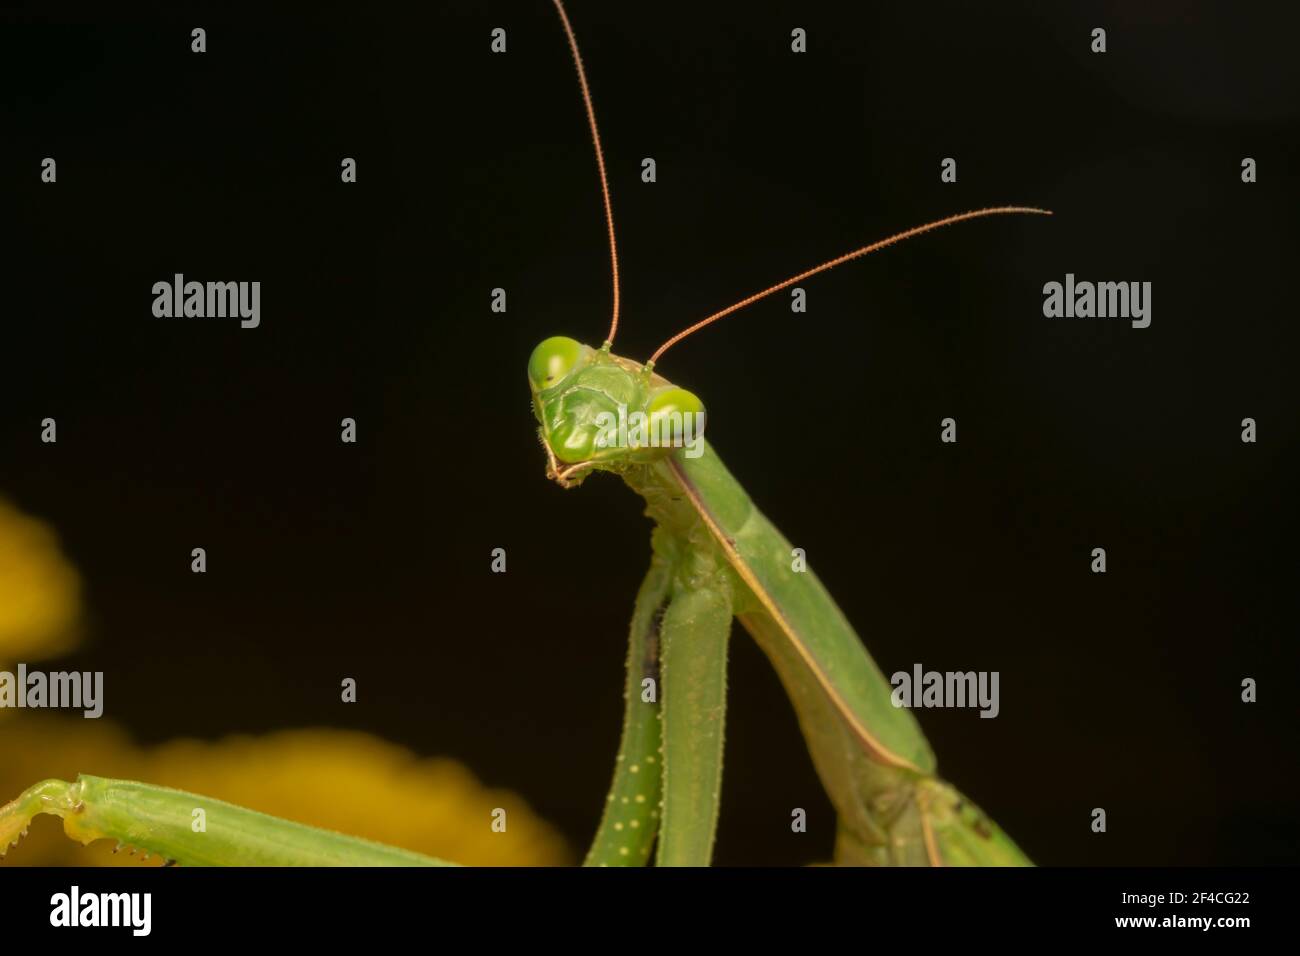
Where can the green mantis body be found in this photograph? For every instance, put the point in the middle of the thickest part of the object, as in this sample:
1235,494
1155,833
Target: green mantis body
714,558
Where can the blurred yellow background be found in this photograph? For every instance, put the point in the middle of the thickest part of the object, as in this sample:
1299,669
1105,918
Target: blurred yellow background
351,782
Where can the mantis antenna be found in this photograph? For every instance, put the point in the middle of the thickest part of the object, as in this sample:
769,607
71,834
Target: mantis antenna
600,162
855,254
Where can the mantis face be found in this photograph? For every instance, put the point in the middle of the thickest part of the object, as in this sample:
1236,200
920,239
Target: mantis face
599,411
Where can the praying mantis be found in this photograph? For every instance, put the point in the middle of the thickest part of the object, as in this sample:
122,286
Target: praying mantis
714,557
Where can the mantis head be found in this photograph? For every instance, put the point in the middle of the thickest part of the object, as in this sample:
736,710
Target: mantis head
603,412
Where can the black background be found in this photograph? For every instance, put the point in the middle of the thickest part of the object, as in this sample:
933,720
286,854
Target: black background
475,171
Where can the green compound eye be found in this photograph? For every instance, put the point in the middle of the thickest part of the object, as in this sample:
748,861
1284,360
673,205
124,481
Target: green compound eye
676,416
553,359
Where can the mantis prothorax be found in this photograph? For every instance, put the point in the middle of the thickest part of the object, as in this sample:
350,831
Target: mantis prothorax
714,557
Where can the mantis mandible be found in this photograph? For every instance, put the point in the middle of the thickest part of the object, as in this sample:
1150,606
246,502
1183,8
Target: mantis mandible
714,557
